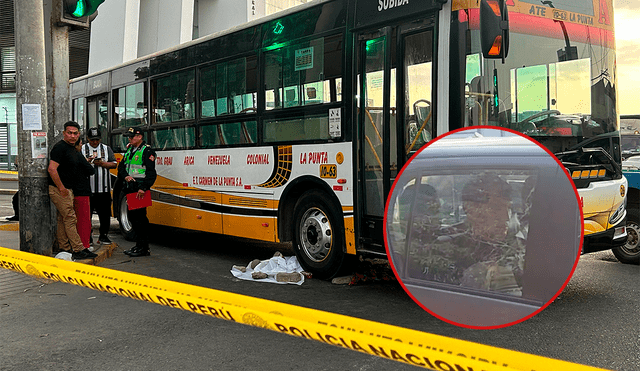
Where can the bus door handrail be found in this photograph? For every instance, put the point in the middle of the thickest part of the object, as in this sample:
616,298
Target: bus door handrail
415,139
375,128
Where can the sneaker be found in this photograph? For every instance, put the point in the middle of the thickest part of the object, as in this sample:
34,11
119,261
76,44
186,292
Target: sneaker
83,254
104,240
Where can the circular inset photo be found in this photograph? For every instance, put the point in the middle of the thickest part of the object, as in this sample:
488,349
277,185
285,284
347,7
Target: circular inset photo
483,227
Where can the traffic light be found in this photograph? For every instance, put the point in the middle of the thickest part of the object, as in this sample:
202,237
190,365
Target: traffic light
81,8
78,13
496,100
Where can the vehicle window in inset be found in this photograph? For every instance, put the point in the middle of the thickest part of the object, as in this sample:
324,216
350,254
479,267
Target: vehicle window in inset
464,229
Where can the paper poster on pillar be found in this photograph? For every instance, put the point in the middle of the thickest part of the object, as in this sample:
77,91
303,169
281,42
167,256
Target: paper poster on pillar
31,117
38,144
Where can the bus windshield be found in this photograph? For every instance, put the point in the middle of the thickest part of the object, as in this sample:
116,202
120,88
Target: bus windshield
557,84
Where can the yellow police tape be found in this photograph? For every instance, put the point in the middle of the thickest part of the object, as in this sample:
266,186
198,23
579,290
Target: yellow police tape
391,342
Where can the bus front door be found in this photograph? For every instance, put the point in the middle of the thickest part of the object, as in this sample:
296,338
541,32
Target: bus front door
395,64
97,114
376,117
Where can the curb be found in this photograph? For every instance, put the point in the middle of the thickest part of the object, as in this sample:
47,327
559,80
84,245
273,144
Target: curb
104,251
10,226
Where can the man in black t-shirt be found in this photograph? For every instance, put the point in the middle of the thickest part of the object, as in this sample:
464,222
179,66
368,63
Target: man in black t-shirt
63,175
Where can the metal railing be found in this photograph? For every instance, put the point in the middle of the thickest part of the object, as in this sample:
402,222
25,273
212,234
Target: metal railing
6,159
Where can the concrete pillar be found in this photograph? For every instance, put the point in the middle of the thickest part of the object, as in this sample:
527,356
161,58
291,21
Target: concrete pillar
164,24
131,30
186,21
31,77
114,34
220,15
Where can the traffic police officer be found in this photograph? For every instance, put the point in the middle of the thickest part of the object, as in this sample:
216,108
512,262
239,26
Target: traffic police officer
137,170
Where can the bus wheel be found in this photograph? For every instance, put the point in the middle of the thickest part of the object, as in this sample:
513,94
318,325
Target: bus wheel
318,235
123,218
629,253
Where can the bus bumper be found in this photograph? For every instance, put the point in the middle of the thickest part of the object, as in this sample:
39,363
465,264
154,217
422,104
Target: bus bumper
606,240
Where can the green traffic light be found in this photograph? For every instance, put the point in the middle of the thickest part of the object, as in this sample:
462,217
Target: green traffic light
80,9
371,46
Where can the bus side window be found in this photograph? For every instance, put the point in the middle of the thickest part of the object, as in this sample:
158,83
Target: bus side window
235,87
174,138
314,127
304,73
174,96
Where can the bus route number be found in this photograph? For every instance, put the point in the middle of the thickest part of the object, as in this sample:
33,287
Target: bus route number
328,171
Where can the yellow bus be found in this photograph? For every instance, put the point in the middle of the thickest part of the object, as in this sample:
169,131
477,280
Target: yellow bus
293,127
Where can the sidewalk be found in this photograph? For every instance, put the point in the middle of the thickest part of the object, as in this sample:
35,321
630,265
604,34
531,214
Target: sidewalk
13,282
8,175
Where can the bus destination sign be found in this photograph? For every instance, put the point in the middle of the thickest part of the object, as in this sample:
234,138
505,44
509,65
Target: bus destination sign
369,12
596,13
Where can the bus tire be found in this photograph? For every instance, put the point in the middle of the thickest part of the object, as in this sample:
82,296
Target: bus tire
126,229
318,235
629,253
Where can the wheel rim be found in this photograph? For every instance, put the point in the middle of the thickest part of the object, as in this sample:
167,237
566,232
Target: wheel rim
632,247
125,223
315,234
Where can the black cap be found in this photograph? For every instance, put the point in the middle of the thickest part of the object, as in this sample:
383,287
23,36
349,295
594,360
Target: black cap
480,188
93,133
133,132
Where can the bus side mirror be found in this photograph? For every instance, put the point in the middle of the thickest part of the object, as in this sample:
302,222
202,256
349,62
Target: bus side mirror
494,29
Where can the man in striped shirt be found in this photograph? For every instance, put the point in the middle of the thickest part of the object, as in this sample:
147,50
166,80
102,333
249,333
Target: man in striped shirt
103,160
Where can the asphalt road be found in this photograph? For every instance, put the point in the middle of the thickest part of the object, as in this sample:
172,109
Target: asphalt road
9,184
595,321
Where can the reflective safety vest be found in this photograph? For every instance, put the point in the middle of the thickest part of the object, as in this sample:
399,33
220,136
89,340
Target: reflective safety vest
134,162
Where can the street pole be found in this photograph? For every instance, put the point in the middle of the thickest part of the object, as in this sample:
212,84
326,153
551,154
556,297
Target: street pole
57,61
35,215
57,58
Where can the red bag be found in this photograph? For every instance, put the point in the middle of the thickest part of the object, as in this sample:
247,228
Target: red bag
133,202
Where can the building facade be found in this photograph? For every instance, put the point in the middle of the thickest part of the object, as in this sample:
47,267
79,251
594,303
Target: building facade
124,30
7,84
128,29
78,66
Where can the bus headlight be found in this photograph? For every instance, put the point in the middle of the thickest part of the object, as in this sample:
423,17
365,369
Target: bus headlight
589,174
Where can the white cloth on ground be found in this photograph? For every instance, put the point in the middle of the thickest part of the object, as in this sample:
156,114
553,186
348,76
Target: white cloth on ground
271,267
